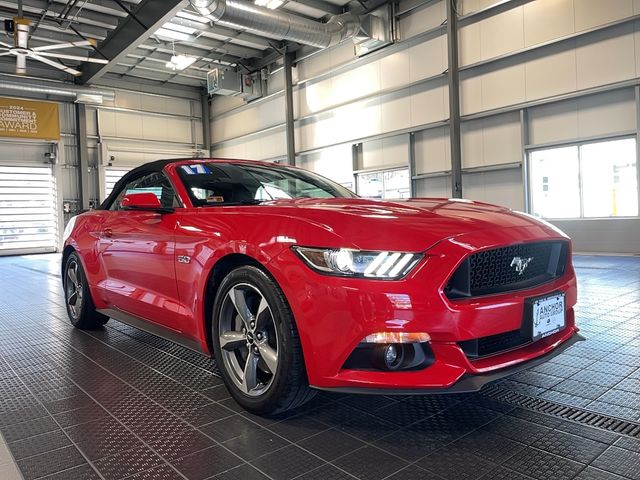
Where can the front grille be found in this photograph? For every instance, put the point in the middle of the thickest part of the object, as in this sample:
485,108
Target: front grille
484,346
497,270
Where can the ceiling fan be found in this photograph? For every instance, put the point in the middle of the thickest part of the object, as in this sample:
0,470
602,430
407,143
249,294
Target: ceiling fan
21,50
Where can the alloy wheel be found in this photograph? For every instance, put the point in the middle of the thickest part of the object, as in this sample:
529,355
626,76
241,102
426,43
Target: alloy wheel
73,289
248,339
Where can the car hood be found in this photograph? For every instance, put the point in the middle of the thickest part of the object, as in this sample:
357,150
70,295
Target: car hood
409,225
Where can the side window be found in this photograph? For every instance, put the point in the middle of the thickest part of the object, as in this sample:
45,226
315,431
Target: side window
156,183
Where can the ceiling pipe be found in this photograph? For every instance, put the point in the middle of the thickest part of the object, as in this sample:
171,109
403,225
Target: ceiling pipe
279,24
62,90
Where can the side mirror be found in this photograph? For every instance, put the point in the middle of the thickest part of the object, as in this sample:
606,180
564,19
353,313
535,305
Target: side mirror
146,201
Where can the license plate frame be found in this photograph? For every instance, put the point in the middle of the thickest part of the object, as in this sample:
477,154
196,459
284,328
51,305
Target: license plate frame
544,315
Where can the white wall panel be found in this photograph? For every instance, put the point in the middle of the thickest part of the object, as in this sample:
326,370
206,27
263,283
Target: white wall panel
491,141
606,57
423,19
607,113
470,92
550,72
545,20
502,33
391,151
434,187
394,69
428,58
603,114
503,86
469,44
259,147
432,150
395,111
429,102
335,163
591,13
500,187
247,120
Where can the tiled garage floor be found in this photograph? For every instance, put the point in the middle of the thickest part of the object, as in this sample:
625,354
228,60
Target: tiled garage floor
119,403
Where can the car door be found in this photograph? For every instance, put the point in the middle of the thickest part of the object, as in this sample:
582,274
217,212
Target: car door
137,252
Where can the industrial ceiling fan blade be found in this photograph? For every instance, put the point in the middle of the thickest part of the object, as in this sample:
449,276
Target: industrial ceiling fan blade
57,46
58,65
6,45
21,64
4,54
73,57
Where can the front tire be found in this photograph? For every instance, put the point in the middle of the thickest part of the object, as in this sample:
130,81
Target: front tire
256,343
80,308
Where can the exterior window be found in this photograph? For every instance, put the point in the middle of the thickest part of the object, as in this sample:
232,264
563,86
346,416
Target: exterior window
590,180
383,185
609,179
555,185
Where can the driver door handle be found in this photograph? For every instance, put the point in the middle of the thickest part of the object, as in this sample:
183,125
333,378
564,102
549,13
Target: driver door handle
106,233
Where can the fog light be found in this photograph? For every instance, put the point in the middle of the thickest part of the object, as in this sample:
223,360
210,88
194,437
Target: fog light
388,357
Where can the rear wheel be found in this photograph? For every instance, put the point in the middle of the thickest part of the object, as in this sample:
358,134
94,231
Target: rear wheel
256,343
80,308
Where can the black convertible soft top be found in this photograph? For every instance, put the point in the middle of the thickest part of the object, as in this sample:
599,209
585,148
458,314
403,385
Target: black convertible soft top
151,167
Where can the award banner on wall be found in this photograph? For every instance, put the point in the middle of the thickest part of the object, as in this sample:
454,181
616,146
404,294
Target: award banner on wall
29,119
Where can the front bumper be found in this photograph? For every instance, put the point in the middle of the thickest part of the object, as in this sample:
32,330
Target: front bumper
334,314
468,383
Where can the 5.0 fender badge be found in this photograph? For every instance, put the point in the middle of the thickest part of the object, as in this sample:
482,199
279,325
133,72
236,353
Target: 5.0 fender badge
184,259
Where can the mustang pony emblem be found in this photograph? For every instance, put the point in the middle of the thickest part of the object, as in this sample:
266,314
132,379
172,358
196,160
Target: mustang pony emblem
521,264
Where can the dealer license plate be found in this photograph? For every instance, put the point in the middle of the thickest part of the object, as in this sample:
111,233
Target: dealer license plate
548,316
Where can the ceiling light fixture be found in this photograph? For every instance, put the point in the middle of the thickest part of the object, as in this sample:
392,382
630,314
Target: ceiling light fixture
179,62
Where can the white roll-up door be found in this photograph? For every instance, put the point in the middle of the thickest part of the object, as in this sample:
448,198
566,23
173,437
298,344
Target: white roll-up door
111,176
28,216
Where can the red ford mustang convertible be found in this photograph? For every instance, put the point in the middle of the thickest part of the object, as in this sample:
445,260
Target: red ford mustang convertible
294,284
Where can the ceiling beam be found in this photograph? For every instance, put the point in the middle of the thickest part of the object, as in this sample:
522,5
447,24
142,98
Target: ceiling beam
130,33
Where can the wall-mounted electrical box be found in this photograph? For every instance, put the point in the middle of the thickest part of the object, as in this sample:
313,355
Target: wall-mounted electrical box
231,83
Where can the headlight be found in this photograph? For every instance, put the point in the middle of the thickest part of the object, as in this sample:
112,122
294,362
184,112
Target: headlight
346,262
69,228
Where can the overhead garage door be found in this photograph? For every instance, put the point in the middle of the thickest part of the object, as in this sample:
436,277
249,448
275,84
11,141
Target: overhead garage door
111,176
27,210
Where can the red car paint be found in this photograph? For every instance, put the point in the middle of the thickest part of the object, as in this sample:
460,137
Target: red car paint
130,259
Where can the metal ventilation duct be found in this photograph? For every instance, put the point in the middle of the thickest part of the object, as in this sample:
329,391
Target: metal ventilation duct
80,94
279,24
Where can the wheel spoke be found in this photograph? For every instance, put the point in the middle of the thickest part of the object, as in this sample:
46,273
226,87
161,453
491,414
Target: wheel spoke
270,356
250,378
239,299
73,298
262,309
73,275
232,340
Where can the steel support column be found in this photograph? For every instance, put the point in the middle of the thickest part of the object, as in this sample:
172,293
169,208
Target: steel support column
524,139
454,100
83,155
637,99
206,123
289,118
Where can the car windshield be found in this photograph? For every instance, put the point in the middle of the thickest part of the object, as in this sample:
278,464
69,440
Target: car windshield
211,184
